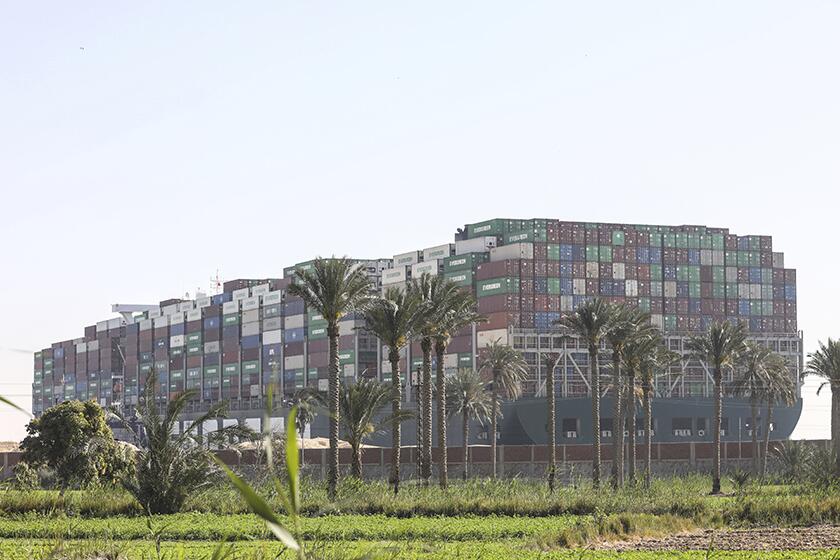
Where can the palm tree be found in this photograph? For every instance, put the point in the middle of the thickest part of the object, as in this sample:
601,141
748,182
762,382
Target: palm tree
627,321
394,319
170,465
334,288
719,347
551,359
752,383
468,396
508,369
592,322
427,289
359,404
456,308
643,355
781,389
825,363
307,402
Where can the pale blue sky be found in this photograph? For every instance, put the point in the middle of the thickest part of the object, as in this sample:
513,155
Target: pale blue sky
144,145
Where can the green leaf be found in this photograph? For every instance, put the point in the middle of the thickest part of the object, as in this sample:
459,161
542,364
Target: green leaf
7,402
292,460
261,508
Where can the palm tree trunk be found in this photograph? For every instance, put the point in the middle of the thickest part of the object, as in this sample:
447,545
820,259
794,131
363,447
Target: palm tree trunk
716,428
466,431
595,382
618,424
494,426
646,391
552,426
332,484
357,462
631,418
767,438
440,348
396,403
754,430
426,392
835,424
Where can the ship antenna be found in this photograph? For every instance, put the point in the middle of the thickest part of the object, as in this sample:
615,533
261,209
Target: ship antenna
216,284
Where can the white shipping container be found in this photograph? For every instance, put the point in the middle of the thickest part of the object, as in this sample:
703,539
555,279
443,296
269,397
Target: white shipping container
592,270
194,315
706,257
566,303
431,267
186,306
252,302
394,275
450,360
93,346
230,307
81,348
778,260
385,367
631,288
154,313
254,424
260,290
293,362
252,316
176,341
170,309
486,338
755,291
618,271
718,258
114,324
579,287
657,321
475,245
145,324
176,318
272,297
272,337
102,326
512,251
406,259
250,329
439,252
294,322
731,274
670,287
212,347
241,293
161,322
349,370
203,302
347,327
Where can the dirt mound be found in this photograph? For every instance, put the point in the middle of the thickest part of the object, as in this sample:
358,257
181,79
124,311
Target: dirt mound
819,537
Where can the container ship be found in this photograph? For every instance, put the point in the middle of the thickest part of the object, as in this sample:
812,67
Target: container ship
234,344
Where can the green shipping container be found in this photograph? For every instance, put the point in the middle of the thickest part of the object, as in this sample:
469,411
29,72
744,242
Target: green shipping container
553,251
347,357
464,262
463,278
317,332
232,319
495,286
489,227
554,286
194,337
230,369
250,368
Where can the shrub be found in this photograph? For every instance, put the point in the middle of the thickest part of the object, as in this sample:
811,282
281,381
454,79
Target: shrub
73,440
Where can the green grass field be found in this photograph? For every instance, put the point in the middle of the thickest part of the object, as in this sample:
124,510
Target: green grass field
468,521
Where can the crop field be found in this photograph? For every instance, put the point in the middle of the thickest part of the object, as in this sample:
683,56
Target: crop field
471,520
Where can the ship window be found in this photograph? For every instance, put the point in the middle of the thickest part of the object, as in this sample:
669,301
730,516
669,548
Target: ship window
569,427
681,427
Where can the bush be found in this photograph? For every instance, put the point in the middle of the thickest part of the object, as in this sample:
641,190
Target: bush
73,440
26,477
